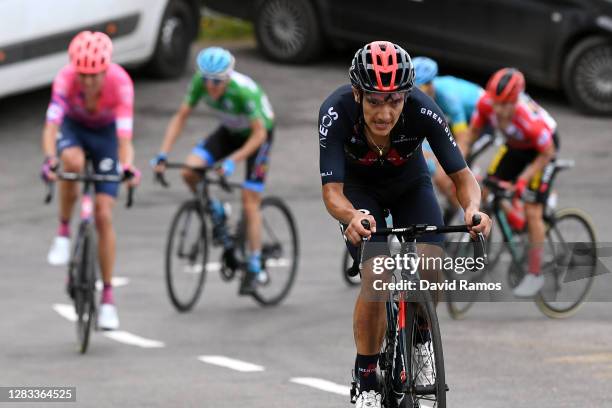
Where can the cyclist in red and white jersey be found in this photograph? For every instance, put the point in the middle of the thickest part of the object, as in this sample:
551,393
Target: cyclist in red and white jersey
526,159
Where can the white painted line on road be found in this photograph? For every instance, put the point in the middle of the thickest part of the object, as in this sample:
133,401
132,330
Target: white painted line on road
231,363
216,266
117,282
66,311
133,340
322,385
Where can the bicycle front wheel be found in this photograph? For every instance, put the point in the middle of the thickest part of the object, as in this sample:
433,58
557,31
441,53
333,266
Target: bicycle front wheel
570,267
424,356
280,252
83,271
186,256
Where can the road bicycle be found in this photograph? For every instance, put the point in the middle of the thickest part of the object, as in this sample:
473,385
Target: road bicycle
570,253
412,339
188,259
83,263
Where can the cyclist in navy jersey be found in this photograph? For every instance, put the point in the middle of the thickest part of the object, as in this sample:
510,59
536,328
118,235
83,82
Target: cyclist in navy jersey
370,136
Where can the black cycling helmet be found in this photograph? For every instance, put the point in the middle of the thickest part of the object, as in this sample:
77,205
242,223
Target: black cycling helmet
382,66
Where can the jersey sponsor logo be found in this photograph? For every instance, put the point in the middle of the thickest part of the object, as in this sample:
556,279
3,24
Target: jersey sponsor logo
326,122
54,112
106,164
543,138
441,121
404,139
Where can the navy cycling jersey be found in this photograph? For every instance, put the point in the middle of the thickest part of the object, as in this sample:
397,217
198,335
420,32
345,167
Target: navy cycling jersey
345,153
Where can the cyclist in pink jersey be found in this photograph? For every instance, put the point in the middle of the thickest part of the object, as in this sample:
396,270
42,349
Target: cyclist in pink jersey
90,114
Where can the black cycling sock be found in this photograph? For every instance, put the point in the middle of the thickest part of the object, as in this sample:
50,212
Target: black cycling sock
366,372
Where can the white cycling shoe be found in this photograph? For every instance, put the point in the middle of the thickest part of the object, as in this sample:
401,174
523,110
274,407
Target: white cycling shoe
424,364
529,286
369,399
59,254
107,317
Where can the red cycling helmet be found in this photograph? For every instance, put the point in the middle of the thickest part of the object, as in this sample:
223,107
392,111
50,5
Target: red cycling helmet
90,52
506,85
382,66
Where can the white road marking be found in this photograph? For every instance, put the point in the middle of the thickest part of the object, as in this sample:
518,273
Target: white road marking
68,313
216,266
133,340
231,363
323,385
117,281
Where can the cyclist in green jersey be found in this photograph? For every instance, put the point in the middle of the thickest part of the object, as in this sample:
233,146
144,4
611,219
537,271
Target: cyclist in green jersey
245,134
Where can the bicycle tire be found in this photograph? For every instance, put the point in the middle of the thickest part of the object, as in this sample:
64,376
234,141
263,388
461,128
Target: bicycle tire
547,307
414,394
259,295
187,209
458,309
84,284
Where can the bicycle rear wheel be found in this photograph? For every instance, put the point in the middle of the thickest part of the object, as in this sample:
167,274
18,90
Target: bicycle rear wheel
83,271
186,256
280,252
423,345
570,269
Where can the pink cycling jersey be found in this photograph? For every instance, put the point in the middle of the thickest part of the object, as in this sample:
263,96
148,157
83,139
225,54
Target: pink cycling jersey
532,128
116,103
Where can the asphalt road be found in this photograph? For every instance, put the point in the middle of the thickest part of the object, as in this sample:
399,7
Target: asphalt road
502,355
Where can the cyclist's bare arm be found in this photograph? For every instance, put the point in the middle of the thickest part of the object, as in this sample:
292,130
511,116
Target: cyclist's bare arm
469,195
256,139
175,127
341,209
48,139
126,152
538,163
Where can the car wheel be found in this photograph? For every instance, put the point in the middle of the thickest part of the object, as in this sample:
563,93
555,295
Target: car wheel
173,41
288,30
587,75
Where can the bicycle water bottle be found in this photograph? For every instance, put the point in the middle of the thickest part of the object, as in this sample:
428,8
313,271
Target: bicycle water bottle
516,215
219,218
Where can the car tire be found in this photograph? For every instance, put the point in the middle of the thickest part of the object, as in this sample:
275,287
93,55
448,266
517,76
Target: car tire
587,76
288,30
176,32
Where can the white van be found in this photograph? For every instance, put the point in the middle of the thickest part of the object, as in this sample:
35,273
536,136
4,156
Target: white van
34,36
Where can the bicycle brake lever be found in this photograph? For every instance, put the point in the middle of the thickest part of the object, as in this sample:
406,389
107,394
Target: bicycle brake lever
161,179
130,197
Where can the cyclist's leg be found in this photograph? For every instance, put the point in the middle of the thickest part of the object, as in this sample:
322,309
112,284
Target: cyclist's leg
257,166
205,154
369,319
72,157
418,205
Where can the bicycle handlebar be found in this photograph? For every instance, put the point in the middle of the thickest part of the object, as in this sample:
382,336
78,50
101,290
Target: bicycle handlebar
90,178
416,230
220,180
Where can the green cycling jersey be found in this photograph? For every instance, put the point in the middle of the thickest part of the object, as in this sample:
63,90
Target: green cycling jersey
242,102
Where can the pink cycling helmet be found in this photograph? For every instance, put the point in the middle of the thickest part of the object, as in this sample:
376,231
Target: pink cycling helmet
90,52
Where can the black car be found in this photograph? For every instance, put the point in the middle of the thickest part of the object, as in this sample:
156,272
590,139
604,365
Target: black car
557,43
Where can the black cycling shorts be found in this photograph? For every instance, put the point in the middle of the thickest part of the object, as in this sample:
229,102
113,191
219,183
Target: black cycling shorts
507,165
409,203
222,143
